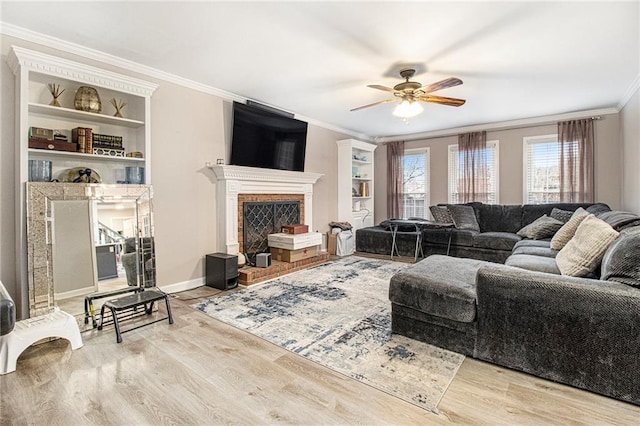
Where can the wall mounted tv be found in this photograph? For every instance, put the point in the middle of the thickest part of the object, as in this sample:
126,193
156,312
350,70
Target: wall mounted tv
262,138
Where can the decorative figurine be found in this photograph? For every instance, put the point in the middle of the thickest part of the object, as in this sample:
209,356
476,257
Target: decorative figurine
118,105
55,91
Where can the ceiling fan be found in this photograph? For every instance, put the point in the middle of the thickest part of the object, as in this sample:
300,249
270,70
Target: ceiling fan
410,93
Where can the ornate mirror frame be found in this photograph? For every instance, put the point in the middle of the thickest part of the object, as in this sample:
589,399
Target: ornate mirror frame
40,198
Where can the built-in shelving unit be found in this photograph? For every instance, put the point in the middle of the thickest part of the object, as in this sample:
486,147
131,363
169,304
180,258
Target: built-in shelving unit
34,71
355,182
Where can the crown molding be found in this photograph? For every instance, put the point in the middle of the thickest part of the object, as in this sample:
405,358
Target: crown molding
46,64
630,92
96,55
502,125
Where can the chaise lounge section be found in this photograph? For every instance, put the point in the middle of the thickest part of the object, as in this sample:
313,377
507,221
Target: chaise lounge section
584,332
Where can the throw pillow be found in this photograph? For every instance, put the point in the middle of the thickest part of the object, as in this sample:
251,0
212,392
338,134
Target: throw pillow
561,215
464,217
542,227
621,261
585,250
564,234
441,214
619,220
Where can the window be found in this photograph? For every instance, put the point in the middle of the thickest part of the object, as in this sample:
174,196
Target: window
489,157
415,182
541,169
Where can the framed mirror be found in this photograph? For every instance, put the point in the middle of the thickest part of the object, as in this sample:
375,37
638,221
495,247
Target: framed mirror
86,238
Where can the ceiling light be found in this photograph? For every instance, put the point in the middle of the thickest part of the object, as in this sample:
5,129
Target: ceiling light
407,109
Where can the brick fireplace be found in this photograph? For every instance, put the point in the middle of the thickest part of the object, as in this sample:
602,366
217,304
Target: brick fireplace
237,184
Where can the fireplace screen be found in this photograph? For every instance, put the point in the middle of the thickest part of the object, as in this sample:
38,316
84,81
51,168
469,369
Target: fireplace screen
263,218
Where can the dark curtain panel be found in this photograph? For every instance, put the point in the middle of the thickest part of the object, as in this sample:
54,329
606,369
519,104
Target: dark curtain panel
395,151
473,184
576,161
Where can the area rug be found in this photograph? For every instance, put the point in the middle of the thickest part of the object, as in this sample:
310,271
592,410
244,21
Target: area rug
339,315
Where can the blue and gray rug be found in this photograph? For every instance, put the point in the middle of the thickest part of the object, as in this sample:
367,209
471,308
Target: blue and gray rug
339,315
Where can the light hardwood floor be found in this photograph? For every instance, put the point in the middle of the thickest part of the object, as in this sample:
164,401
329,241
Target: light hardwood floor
200,371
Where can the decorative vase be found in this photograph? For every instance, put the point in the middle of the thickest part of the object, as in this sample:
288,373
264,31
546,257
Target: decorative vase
135,175
87,99
39,171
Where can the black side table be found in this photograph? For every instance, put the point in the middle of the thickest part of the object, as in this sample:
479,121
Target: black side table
397,223
419,226
437,225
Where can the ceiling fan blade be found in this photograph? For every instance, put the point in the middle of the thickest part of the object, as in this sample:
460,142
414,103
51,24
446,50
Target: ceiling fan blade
386,101
386,89
441,100
449,82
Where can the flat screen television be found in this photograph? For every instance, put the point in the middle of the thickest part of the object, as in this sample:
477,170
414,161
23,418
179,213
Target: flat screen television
262,138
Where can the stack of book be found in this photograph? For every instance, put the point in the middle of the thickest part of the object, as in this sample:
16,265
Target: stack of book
83,136
108,145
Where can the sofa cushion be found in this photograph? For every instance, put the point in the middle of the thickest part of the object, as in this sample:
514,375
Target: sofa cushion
621,261
532,243
464,217
496,240
598,208
564,234
438,285
619,220
561,215
585,250
535,251
533,263
441,214
499,218
543,227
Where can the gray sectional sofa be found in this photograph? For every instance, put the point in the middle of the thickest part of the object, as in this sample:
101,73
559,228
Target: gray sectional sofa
525,315
493,240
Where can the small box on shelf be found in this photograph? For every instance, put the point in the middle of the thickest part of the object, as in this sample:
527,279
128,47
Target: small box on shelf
39,143
295,229
40,133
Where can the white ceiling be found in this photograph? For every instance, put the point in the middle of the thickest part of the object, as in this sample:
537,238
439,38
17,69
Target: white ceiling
517,59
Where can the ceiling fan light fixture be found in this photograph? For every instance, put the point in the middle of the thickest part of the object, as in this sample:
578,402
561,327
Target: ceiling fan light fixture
407,109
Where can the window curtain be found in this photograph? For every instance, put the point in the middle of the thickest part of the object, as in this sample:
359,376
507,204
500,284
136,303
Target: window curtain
575,138
474,168
395,151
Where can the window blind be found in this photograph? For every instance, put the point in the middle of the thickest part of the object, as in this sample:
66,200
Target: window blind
489,158
542,169
415,184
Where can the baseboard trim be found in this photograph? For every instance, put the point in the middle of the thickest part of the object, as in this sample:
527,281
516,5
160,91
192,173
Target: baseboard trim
183,286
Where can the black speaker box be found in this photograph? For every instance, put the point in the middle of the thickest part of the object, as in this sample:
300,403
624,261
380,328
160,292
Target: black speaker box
221,270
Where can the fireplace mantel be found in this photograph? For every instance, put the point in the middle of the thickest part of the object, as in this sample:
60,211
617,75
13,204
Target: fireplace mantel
234,180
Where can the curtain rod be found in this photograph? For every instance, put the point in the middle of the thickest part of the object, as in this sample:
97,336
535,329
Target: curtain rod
515,127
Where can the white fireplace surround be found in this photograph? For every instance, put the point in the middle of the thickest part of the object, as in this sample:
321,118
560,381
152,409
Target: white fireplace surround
234,180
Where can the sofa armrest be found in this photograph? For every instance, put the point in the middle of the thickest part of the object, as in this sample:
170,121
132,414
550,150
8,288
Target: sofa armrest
578,331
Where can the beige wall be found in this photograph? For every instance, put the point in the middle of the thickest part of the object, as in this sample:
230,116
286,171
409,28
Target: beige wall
607,164
630,135
189,128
